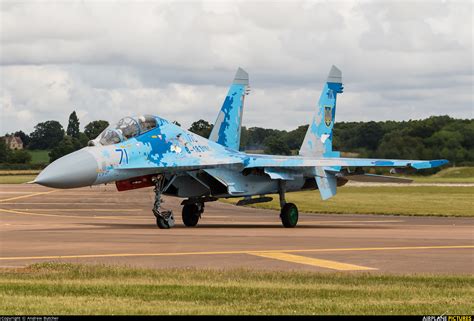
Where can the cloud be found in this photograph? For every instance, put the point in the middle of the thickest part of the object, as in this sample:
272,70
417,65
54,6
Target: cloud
108,59
412,26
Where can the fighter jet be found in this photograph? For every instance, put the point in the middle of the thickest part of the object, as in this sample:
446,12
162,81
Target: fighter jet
149,151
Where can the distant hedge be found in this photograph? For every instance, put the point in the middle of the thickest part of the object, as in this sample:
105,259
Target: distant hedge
6,166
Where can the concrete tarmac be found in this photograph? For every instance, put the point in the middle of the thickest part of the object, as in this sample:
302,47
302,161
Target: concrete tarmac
101,225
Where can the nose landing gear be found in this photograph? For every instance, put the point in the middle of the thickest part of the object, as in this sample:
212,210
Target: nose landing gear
164,218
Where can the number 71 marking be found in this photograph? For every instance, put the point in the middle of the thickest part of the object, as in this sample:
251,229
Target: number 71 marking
122,152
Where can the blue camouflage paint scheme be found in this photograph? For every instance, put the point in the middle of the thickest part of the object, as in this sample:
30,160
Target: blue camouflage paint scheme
318,139
254,161
326,182
172,150
227,128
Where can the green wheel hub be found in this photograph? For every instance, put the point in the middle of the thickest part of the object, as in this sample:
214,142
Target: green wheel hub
293,215
289,215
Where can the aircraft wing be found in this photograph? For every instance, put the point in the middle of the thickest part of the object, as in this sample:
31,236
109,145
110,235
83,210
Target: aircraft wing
327,169
297,162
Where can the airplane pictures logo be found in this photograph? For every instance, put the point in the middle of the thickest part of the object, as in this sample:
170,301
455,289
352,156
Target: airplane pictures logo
447,318
328,115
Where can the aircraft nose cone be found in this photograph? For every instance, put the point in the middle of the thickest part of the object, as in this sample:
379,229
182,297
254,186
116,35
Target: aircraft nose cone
77,169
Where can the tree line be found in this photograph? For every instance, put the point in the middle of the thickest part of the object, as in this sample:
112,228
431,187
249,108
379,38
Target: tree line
50,135
431,138
436,137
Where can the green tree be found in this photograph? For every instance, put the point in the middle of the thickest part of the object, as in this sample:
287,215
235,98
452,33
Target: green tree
399,145
4,151
244,138
201,128
46,135
447,144
94,128
257,136
275,145
73,126
66,146
20,156
294,138
83,139
369,135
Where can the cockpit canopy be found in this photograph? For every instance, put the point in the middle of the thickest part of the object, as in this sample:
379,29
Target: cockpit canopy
125,128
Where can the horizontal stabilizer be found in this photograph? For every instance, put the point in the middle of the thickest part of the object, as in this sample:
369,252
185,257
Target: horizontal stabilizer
371,178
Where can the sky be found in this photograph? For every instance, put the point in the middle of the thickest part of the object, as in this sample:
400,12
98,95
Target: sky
400,60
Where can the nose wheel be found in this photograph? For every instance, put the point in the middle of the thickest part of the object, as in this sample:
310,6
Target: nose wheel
164,219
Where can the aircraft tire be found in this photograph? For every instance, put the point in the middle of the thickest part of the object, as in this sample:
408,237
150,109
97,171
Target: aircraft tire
162,223
191,215
289,215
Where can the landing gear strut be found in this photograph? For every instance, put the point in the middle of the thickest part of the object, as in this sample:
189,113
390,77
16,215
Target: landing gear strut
164,218
289,211
192,213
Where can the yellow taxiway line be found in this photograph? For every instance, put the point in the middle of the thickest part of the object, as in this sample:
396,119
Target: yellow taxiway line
25,196
238,252
26,211
75,210
333,265
71,216
13,192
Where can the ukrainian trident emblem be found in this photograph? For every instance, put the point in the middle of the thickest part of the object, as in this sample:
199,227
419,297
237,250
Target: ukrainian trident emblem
328,115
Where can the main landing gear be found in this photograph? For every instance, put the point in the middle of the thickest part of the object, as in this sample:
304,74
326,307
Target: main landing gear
164,218
192,213
289,211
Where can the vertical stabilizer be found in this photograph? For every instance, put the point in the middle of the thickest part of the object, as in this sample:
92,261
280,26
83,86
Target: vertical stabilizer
226,130
318,139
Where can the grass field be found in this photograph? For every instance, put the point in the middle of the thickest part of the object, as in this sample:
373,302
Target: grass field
17,176
456,172
16,179
448,175
53,288
445,180
9,172
39,156
394,200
